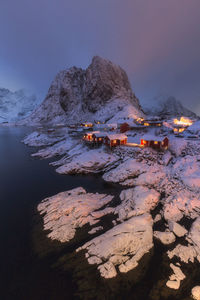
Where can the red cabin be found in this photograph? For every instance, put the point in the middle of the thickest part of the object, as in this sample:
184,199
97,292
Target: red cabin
124,127
155,142
117,139
88,136
99,137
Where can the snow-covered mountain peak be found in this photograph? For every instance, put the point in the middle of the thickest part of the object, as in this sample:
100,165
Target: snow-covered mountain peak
77,95
15,105
167,106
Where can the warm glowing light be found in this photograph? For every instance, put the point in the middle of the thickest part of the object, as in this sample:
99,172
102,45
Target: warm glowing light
146,124
183,121
181,129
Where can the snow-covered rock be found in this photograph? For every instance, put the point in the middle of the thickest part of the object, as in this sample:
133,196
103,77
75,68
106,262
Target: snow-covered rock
165,237
196,292
157,218
95,229
167,157
177,229
185,253
59,148
122,246
176,278
16,105
38,139
181,203
136,201
127,169
193,129
188,169
92,161
151,177
67,211
177,146
99,92
194,236
192,251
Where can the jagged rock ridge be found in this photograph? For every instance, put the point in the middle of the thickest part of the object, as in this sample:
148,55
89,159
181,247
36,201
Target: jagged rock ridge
15,105
100,91
167,107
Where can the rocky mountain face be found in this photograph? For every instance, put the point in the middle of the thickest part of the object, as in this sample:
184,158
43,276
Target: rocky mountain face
15,105
168,107
100,91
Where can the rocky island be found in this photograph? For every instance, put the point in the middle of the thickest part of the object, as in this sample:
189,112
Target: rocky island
157,208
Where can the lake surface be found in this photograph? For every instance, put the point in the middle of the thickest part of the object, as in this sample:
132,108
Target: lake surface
24,182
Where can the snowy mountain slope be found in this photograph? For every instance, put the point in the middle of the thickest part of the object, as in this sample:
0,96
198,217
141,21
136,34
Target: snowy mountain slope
15,105
167,106
99,92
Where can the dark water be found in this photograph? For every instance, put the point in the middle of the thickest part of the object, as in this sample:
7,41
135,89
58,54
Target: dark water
24,182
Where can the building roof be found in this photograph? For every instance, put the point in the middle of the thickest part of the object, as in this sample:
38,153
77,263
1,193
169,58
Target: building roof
87,123
100,134
152,121
111,124
153,118
107,125
151,137
92,132
117,136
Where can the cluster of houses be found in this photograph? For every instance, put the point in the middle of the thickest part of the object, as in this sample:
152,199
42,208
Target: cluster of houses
113,135
116,139
110,139
104,133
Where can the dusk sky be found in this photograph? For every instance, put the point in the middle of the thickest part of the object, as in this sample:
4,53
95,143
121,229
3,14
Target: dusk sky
157,42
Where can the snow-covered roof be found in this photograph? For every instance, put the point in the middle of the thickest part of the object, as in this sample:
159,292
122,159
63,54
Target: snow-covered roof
87,123
108,125
116,136
100,134
152,137
92,132
111,124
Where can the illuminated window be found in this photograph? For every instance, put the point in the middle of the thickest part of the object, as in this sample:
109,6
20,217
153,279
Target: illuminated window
155,142
146,124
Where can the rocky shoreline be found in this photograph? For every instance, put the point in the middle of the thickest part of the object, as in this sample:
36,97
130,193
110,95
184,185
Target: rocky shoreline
161,182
